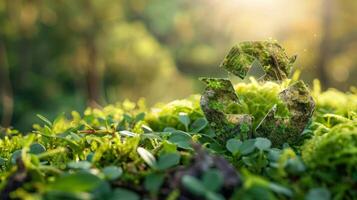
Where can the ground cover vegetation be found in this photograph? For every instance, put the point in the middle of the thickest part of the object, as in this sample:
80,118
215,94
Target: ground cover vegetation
266,138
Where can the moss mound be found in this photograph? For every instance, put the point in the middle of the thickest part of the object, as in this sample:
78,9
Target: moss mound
129,151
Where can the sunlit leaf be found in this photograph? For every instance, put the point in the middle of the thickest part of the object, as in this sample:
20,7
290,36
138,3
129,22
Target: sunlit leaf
184,119
147,157
127,133
146,129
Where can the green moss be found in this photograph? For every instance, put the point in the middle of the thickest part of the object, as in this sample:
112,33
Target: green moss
215,83
216,105
270,54
332,159
219,99
95,136
258,98
337,147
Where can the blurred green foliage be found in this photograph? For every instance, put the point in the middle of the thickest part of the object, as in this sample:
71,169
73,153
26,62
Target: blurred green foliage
56,55
62,54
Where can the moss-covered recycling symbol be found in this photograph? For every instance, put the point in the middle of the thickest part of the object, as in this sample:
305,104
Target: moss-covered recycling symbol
219,97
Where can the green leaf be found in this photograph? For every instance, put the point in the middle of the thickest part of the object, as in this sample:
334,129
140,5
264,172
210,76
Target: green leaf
154,181
83,164
124,194
193,185
56,195
154,135
248,161
318,194
2,161
168,147
112,172
15,155
213,180
127,133
44,119
168,160
198,125
75,137
181,139
184,119
146,129
280,189
295,165
214,196
78,182
90,156
274,154
58,118
169,129
354,176
140,117
147,157
233,145
37,148
262,143
127,117
247,147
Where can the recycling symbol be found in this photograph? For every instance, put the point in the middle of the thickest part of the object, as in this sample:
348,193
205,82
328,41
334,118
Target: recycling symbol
219,96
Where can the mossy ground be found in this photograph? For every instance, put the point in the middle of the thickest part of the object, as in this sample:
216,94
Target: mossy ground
129,151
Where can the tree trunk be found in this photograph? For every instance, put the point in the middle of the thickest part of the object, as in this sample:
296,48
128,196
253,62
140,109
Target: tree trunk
5,88
93,78
325,44
92,75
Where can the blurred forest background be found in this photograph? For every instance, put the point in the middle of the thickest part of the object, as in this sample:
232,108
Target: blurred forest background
63,55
